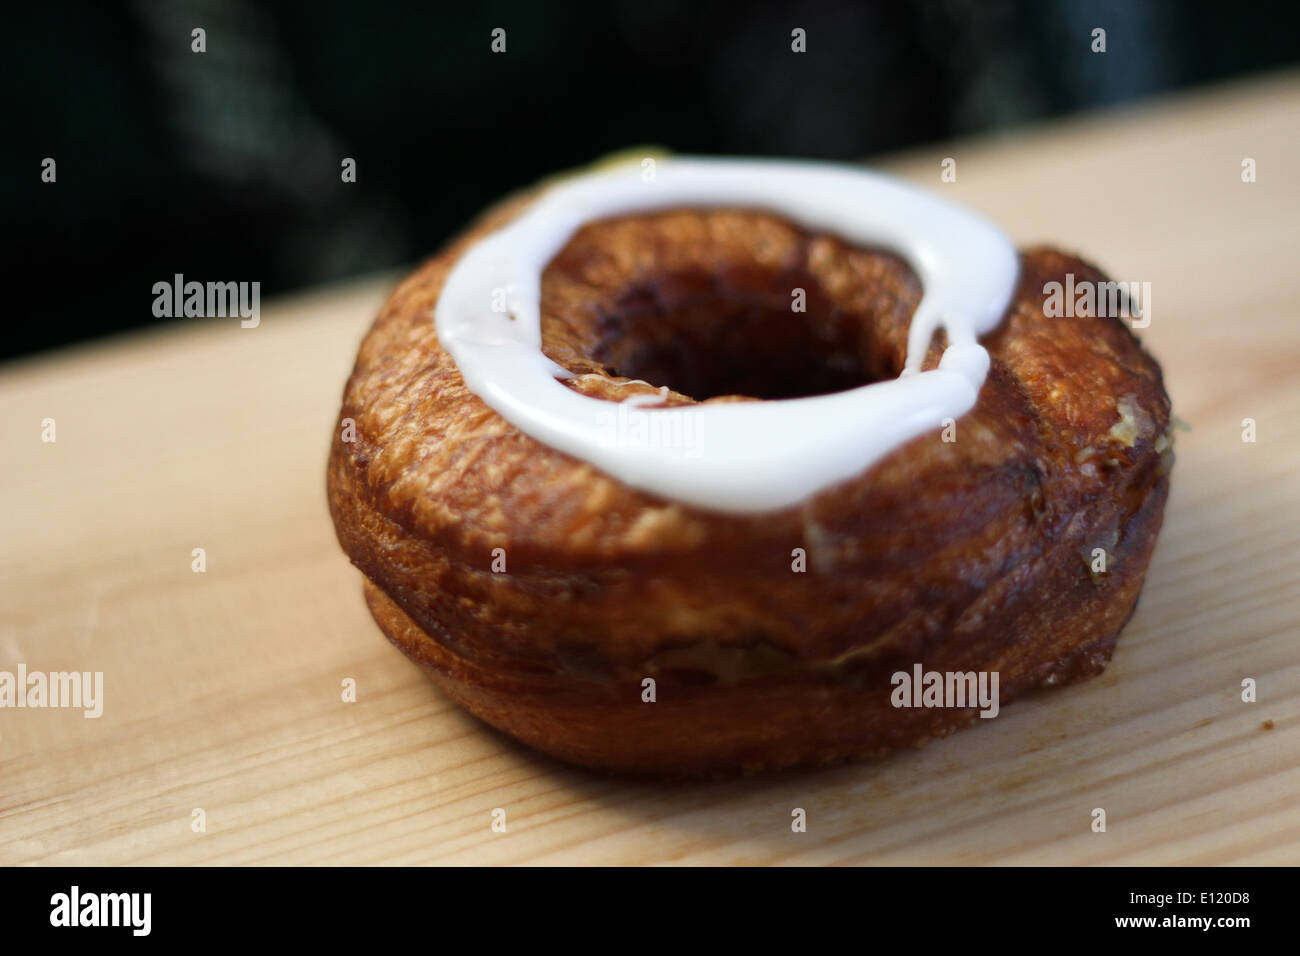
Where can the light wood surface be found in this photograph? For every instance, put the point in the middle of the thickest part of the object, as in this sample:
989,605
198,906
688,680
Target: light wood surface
222,689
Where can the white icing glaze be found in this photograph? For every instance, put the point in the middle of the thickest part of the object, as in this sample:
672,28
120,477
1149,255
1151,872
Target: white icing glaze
744,457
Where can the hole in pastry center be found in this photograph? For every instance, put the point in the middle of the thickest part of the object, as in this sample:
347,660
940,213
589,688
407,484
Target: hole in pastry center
707,334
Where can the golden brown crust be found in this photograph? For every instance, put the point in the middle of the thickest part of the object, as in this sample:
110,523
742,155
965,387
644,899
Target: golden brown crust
972,554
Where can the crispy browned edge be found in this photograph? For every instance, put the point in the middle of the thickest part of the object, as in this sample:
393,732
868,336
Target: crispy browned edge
971,555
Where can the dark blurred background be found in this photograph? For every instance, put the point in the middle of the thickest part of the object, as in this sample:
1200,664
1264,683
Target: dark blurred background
225,165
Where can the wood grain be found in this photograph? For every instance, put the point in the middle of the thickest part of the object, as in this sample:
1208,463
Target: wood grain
222,689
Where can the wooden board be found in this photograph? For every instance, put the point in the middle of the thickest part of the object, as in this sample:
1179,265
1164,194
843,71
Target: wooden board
222,689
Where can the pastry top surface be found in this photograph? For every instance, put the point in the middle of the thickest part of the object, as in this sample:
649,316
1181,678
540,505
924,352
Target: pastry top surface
742,458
